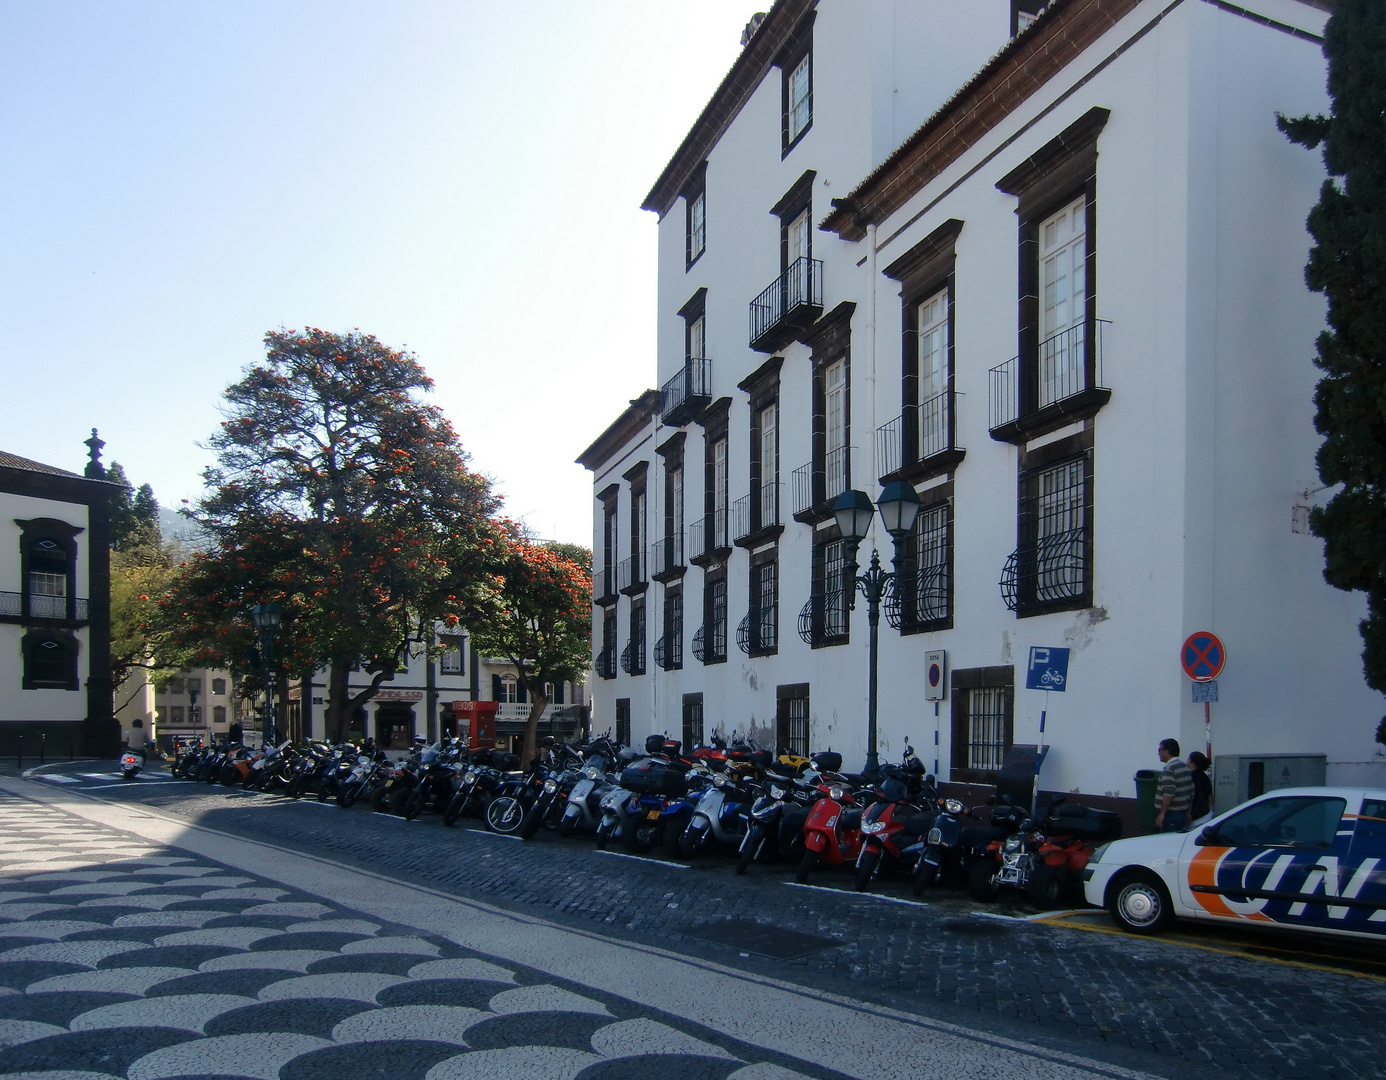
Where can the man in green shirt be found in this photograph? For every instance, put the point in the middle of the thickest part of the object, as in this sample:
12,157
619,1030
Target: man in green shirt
1174,795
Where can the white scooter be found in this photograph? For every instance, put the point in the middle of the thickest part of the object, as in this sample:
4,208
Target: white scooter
131,762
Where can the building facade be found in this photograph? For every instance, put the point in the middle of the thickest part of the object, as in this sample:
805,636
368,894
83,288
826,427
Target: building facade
55,612
1046,267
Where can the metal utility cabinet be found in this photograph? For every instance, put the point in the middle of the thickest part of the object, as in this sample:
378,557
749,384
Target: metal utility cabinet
1239,777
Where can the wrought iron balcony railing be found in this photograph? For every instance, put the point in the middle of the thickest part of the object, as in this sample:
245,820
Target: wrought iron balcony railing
668,554
1062,369
42,606
758,631
918,434
633,656
606,662
815,486
687,393
757,511
709,535
919,598
604,585
789,306
823,619
1049,570
668,652
633,573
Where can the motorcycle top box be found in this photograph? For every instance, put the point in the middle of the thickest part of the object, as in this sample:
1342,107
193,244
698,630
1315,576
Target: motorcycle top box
1084,823
653,777
827,761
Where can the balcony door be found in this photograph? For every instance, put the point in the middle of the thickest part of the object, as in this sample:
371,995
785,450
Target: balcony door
933,374
719,494
798,249
1063,307
769,466
835,476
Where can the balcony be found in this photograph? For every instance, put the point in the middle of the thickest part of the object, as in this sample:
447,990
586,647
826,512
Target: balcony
758,632
686,395
788,307
668,558
1049,573
606,663
823,620
604,586
42,607
632,575
668,652
816,488
919,443
1056,384
708,541
633,656
756,518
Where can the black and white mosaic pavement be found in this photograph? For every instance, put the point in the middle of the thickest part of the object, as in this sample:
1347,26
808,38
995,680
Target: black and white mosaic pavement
125,959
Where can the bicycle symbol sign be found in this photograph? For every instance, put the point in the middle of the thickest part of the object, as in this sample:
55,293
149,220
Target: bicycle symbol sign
1048,669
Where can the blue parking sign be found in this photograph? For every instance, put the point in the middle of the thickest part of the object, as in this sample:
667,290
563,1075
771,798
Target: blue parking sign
1048,669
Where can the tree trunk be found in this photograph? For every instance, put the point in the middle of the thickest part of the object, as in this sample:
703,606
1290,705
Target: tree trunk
537,703
337,676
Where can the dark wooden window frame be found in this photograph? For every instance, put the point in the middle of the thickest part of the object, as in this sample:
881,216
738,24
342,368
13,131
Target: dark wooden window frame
623,721
829,341
692,737
64,535
638,478
769,556
1032,463
40,638
963,680
716,424
671,450
696,188
799,45
762,387
931,499
818,591
797,200
1057,173
609,497
924,270
694,308
784,694
712,578
673,625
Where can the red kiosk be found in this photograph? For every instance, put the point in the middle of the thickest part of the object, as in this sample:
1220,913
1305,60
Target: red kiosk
476,722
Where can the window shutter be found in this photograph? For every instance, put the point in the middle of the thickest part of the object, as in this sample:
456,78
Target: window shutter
497,691
558,693
522,697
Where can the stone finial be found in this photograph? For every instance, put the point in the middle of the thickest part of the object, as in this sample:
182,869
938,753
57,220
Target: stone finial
94,470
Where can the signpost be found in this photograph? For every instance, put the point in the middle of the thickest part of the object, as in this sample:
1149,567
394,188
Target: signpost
1047,670
935,663
1202,659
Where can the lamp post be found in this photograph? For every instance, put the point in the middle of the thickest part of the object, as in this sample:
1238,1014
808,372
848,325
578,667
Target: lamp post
266,617
899,507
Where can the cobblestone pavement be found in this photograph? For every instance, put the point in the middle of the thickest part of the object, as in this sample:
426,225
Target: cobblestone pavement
1232,1007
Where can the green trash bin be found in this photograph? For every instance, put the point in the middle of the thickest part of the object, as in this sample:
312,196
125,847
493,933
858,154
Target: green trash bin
1147,781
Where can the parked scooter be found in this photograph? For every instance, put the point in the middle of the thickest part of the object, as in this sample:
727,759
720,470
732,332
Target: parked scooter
832,833
131,762
894,823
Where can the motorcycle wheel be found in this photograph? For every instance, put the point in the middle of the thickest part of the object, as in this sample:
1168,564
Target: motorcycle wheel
229,775
924,876
1045,889
806,866
603,838
454,810
674,831
380,801
641,835
748,849
866,868
296,787
413,806
568,824
505,815
981,881
348,795
399,799
532,821
322,793
689,841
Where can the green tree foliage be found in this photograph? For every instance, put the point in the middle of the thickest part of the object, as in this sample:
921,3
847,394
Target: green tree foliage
134,514
539,617
342,496
1348,265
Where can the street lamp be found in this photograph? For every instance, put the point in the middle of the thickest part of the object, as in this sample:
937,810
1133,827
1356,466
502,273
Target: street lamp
266,617
899,507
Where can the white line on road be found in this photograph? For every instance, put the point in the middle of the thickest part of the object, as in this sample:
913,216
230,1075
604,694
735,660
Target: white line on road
867,895
642,858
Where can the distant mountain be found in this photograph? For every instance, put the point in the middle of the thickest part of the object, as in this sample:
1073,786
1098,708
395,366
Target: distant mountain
175,526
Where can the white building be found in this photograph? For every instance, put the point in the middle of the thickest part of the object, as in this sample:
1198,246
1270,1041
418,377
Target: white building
55,610
1046,267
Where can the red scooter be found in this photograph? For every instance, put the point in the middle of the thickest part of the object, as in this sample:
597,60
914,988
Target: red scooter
832,833
897,820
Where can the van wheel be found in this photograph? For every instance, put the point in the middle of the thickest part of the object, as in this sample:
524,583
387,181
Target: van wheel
1139,902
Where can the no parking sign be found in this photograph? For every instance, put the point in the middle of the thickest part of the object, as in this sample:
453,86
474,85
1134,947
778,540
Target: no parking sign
934,675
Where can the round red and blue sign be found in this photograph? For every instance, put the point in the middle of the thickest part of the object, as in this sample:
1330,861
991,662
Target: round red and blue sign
1202,656
935,674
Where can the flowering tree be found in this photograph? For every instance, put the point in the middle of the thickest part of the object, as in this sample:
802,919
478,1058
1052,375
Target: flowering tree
539,618
346,499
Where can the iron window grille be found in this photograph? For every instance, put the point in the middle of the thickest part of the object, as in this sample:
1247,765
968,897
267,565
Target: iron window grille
633,656
794,725
710,643
692,724
1052,565
987,728
922,596
758,633
825,619
668,650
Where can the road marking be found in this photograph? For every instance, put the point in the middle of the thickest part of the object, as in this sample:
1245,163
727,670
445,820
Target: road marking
57,779
641,858
850,892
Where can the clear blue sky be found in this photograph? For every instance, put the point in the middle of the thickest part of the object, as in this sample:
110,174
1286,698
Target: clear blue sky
461,178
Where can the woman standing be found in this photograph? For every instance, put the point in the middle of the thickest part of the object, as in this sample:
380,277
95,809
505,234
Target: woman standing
1202,806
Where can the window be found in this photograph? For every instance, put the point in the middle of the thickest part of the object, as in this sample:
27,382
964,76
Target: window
623,721
798,100
48,579
669,648
669,550
1051,567
219,687
692,721
50,661
606,659
218,714
194,686
758,634
695,204
1063,303
932,320
760,509
673,520
633,656
719,530
711,644
792,718
450,661
1290,822
509,689
836,478
983,722
824,620
926,602
604,587
177,685
175,714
